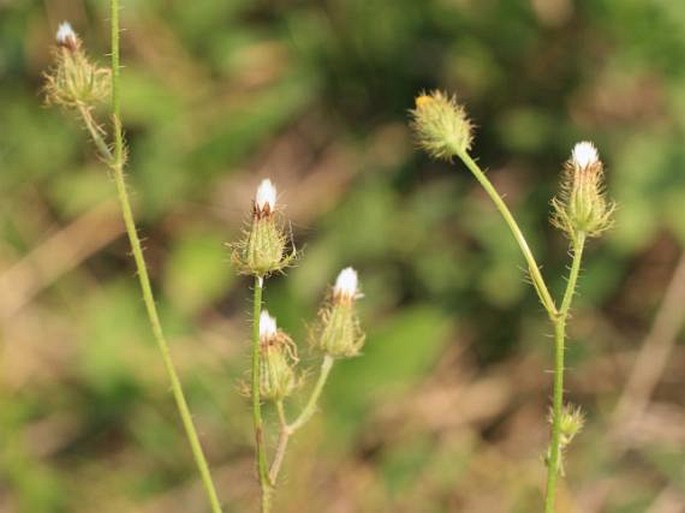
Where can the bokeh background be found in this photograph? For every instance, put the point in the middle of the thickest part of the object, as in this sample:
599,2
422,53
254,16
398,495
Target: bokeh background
446,411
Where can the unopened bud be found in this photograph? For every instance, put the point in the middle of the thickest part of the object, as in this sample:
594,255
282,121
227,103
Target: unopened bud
262,251
278,359
441,125
572,422
338,332
75,81
581,205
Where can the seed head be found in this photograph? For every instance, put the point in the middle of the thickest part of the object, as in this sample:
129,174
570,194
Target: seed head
74,81
278,359
581,205
262,249
441,126
338,332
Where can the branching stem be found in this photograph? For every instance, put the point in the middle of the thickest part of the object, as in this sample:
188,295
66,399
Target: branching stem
554,454
287,430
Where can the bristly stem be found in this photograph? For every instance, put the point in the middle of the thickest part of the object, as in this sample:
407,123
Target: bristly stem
116,163
533,268
310,407
554,454
288,429
260,451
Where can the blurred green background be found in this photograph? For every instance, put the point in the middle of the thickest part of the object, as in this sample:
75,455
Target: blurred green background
446,411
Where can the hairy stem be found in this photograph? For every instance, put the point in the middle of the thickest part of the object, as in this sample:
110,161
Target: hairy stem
116,163
283,437
554,455
287,430
533,268
260,451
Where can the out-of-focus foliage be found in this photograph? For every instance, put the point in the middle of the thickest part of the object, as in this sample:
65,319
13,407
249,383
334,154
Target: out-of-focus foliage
446,410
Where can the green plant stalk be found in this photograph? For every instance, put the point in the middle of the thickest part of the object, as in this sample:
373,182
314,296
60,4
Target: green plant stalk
287,430
554,455
533,268
116,163
260,452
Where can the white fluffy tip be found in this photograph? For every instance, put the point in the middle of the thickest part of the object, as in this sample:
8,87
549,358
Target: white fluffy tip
346,284
65,33
266,195
584,154
267,325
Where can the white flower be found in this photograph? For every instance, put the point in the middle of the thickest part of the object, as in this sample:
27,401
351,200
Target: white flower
584,154
346,285
267,326
266,196
65,34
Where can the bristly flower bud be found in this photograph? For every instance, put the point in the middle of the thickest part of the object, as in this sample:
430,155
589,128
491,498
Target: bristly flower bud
572,422
74,81
441,125
277,362
581,205
338,332
262,251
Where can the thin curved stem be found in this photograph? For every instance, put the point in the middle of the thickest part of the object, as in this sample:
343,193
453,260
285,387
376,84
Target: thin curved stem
287,430
554,455
260,452
533,268
310,407
116,163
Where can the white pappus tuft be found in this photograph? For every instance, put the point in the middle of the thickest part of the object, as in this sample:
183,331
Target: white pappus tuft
267,326
584,154
65,34
346,285
266,196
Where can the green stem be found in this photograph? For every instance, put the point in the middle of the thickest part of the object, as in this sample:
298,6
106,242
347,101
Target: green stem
260,452
117,166
310,407
554,455
287,430
533,268
95,134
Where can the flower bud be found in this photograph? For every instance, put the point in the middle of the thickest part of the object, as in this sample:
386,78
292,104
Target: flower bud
338,333
581,205
263,249
74,81
277,362
441,125
572,422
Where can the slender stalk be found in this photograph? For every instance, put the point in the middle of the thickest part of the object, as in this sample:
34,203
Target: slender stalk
533,268
554,463
287,430
116,163
95,133
310,407
260,452
283,437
